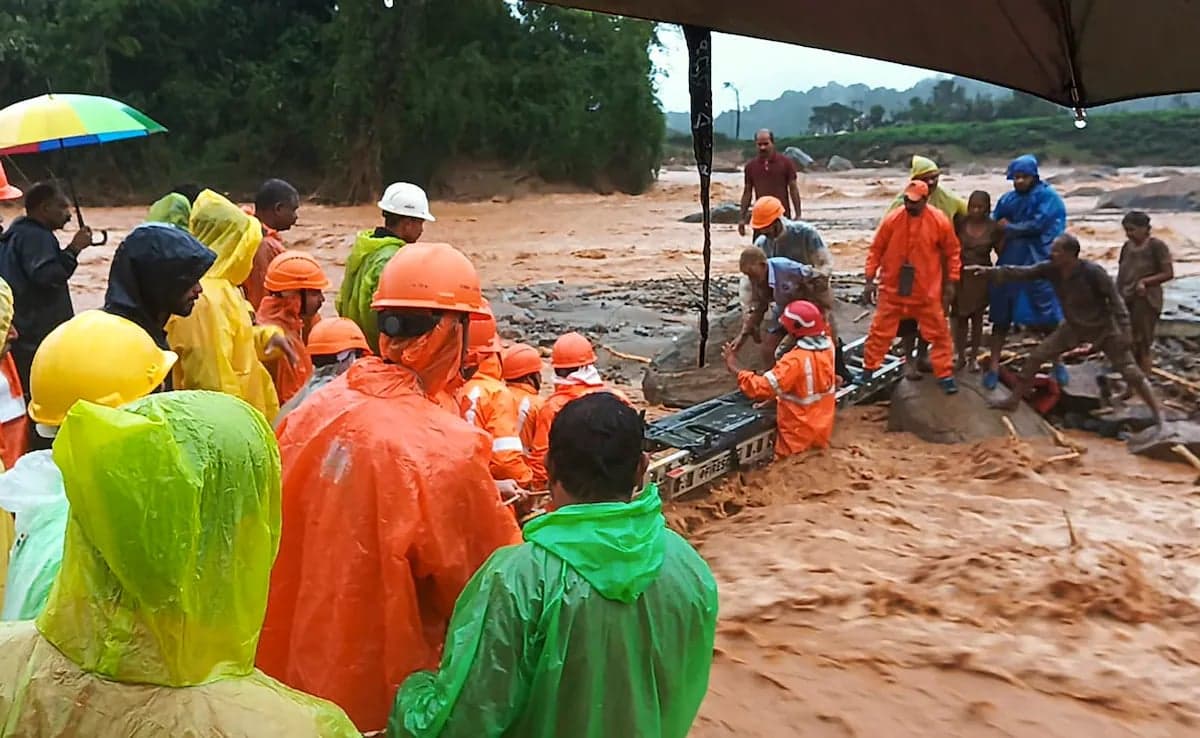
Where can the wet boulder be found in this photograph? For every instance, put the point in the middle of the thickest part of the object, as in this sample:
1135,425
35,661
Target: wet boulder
727,213
1088,191
974,170
922,409
1177,193
839,164
798,157
1160,445
673,377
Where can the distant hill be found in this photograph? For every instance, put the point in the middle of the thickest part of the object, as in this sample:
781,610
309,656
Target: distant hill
788,114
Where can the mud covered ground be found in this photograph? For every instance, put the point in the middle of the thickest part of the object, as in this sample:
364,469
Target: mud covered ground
886,587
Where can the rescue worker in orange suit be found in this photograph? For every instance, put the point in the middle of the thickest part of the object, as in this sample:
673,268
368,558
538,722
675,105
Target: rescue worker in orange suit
803,382
522,371
14,423
486,402
293,282
908,253
575,375
389,506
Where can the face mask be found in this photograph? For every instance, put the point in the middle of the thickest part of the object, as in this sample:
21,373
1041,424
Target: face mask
435,357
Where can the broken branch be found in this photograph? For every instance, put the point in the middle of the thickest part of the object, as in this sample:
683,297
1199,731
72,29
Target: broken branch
1176,379
625,356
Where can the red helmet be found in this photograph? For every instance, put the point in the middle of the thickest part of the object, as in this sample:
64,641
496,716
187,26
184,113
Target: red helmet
802,318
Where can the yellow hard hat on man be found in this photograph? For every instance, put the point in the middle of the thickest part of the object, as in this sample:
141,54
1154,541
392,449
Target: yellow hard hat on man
98,357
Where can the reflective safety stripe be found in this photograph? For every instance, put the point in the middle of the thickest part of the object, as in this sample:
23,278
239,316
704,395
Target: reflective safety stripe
813,397
808,377
11,407
473,406
523,413
508,443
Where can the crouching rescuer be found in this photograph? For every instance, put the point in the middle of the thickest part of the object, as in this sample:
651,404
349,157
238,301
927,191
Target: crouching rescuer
803,382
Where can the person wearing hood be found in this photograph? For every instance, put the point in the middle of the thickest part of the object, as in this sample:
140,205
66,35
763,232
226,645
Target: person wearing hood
152,631
405,212
97,357
37,269
219,346
575,375
277,207
955,208
394,492
521,367
1032,216
156,273
294,298
173,209
334,344
600,624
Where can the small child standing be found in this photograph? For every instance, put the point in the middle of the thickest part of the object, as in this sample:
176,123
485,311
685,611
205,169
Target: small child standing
1145,265
803,382
979,236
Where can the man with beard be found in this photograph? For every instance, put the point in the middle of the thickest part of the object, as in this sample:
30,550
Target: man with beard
155,274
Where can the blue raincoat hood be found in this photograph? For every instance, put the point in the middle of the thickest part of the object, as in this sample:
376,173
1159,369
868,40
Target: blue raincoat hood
1027,164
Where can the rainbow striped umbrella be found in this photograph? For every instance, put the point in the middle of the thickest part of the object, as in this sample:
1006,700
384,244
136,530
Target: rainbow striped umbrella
58,121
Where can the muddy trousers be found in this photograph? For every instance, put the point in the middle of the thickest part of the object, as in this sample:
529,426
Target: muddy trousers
933,326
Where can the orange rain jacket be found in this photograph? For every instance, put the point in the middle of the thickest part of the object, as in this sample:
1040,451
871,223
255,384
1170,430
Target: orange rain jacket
924,241
540,444
804,384
14,431
490,405
388,509
255,285
284,313
529,404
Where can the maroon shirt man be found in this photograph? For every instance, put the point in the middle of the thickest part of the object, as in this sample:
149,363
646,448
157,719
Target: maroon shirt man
769,173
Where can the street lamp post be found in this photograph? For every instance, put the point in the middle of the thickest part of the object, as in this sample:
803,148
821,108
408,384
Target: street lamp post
737,96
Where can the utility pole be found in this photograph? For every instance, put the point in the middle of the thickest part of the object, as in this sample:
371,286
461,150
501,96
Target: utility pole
737,96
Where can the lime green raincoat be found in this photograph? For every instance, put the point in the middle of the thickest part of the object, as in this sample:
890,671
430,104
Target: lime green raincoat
173,528
172,208
942,198
369,256
600,625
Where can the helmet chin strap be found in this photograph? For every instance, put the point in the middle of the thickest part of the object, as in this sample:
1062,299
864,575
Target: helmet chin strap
464,319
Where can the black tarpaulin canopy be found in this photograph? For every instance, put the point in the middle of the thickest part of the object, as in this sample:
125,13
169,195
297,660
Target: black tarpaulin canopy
1078,53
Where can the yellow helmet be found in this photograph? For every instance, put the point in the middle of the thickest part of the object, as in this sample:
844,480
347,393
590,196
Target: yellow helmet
97,357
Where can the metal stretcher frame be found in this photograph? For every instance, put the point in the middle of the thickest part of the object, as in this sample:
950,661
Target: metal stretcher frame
697,446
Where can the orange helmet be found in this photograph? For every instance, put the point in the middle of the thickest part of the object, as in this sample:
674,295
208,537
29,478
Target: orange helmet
766,211
520,360
335,335
7,191
802,318
433,276
572,350
295,270
482,336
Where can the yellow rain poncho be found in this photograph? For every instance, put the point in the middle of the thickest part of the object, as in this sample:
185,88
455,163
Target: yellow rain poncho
941,198
153,622
219,346
172,208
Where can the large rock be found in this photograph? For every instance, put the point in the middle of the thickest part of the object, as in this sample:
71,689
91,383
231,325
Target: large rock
801,159
1158,445
974,170
727,213
673,378
920,408
1177,193
1161,173
839,164
1089,191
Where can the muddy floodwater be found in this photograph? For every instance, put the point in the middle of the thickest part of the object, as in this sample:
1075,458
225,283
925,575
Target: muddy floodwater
886,587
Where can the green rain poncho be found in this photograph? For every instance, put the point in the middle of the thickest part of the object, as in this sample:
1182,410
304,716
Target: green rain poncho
600,625
371,252
942,198
174,209
153,622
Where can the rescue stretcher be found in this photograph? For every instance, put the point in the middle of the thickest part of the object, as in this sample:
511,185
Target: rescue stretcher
697,446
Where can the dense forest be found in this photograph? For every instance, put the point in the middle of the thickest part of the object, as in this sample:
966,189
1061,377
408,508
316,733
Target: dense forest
343,97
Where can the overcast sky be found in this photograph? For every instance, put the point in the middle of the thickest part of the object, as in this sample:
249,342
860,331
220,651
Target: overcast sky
764,69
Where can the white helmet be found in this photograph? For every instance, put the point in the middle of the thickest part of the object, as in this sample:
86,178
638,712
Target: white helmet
402,198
